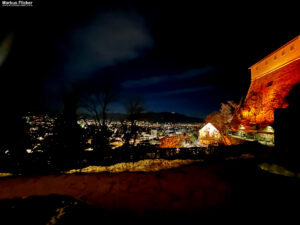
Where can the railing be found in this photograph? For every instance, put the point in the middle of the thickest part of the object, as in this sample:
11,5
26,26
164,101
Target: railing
136,154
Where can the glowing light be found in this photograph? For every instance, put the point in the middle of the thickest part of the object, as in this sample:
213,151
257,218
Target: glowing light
209,131
5,174
209,135
272,62
268,129
89,149
270,84
172,142
117,143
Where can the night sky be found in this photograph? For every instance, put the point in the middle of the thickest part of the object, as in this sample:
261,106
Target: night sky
179,57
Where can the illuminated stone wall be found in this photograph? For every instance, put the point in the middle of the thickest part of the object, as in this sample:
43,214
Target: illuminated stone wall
277,59
272,78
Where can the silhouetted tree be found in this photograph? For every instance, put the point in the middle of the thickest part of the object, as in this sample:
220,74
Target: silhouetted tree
65,145
222,118
14,138
134,107
14,142
97,106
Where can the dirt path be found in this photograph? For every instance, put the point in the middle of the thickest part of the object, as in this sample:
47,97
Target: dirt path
185,189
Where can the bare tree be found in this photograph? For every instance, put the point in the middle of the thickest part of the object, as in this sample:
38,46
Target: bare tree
97,106
134,107
222,118
92,104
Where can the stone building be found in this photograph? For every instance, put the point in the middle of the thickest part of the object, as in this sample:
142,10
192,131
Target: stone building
272,78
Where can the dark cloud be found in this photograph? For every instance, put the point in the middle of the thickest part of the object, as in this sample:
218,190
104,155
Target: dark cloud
164,78
105,40
160,50
181,91
109,38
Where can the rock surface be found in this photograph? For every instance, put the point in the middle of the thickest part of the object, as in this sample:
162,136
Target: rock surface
266,94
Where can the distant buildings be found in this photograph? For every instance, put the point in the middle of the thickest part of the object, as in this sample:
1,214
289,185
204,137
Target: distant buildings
41,126
154,133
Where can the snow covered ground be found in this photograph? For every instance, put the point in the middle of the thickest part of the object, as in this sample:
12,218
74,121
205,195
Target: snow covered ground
148,165
185,188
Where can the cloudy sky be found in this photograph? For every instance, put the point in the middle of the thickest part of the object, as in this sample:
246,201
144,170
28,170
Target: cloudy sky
180,57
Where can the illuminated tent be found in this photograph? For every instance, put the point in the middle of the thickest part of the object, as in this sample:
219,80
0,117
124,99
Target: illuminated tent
209,134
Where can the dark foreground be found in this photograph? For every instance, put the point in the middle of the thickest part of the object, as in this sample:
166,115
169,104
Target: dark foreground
235,191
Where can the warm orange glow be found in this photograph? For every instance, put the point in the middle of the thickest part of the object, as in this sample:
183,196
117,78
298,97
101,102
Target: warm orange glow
117,143
277,59
227,141
268,93
172,142
271,80
209,132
